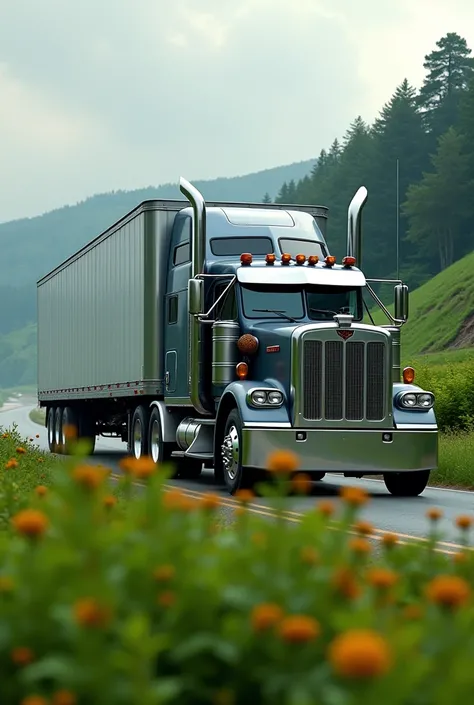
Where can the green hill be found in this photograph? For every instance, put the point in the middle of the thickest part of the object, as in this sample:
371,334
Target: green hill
31,247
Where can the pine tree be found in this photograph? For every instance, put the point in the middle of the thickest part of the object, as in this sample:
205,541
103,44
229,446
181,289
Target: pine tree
266,198
282,194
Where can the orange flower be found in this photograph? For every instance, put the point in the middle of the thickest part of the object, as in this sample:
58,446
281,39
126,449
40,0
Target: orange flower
167,598
22,656
10,464
70,432
434,514
165,572
448,590
412,612
141,468
21,450
89,476
298,629
64,697
309,555
360,545
282,462
354,496
41,460
364,528
6,583
244,496
464,522
5,435
173,499
89,613
240,511
210,501
301,483
345,582
326,507
460,557
360,653
41,490
34,700
382,578
265,616
389,539
110,501
30,522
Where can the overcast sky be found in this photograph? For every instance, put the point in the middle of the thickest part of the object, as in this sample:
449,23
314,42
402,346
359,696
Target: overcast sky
98,95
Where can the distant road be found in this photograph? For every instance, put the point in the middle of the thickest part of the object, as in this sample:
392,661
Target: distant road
403,516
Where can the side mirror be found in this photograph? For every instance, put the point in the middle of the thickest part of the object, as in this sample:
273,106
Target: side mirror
196,296
401,302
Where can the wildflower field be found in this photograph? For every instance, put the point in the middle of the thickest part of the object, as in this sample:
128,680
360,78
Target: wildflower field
114,594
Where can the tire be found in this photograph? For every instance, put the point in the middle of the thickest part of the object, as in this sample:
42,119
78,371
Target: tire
139,432
69,419
50,427
406,484
58,431
86,429
236,477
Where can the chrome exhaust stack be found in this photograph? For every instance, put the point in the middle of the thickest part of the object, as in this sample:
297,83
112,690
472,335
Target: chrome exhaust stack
354,219
199,225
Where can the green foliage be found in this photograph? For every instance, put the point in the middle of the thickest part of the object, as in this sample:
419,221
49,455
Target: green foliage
18,357
150,602
453,387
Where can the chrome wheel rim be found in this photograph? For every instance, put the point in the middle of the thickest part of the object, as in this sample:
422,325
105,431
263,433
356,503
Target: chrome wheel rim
51,428
155,441
57,430
137,439
230,453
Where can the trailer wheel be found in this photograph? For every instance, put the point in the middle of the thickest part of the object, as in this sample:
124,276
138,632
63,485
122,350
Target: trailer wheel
139,432
50,425
68,420
58,430
235,476
407,484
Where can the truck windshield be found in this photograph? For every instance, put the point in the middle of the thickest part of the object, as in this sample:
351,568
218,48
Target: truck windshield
319,303
306,247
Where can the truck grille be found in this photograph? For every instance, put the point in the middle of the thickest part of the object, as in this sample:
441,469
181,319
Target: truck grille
344,381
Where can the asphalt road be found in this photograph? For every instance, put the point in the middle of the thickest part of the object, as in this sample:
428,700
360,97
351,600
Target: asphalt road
406,517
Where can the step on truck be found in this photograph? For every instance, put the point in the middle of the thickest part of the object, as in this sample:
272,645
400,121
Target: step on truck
211,334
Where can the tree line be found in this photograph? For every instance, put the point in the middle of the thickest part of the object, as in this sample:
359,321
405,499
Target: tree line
417,162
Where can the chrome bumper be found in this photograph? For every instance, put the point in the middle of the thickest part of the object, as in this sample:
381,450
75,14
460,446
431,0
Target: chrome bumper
334,450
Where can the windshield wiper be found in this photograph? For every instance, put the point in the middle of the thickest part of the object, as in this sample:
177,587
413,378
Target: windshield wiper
323,310
282,314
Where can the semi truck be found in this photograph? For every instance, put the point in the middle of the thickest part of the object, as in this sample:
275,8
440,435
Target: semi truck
213,334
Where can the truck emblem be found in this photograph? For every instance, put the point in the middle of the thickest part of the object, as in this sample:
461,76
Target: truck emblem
273,348
345,334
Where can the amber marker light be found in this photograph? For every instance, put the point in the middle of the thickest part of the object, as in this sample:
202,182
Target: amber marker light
247,344
312,260
300,259
348,261
242,370
246,259
285,258
408,375
270,259
330,260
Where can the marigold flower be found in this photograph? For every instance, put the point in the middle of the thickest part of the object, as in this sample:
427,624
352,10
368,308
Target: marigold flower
326,507
6,583
70,432
173,499
64,697
382,578
360,545
345,582
5,435
364,528
167,598
110,501
41,460
22,655
460,557
244,496
240,511
354,496
141,468
299,629
10,464
20,450
389,539
265,616
412,612
434,514
34,700
89,476
282,462
301,483
30,522
464,522
360,653
210,501
41,490
165,572
89,613
309,555
448,590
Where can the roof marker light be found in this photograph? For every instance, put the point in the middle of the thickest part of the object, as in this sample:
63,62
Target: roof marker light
245,259
312,260
348,261
330,260
270,259
300,259
285,258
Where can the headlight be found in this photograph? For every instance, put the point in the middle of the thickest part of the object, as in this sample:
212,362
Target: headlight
265,397
412,400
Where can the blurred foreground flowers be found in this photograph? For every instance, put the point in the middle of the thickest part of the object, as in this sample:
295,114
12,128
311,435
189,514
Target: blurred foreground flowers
126,590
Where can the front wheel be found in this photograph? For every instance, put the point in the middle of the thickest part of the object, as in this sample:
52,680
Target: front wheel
407,484
236,477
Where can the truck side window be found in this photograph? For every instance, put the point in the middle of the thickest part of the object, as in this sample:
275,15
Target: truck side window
173,309
226,310
182,254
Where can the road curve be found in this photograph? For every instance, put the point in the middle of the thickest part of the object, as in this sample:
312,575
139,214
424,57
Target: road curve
406,517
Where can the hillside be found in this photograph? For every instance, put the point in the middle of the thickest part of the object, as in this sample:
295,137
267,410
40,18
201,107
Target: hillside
31,247
440,325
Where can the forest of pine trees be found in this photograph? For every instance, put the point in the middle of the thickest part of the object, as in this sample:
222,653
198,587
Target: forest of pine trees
430,133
